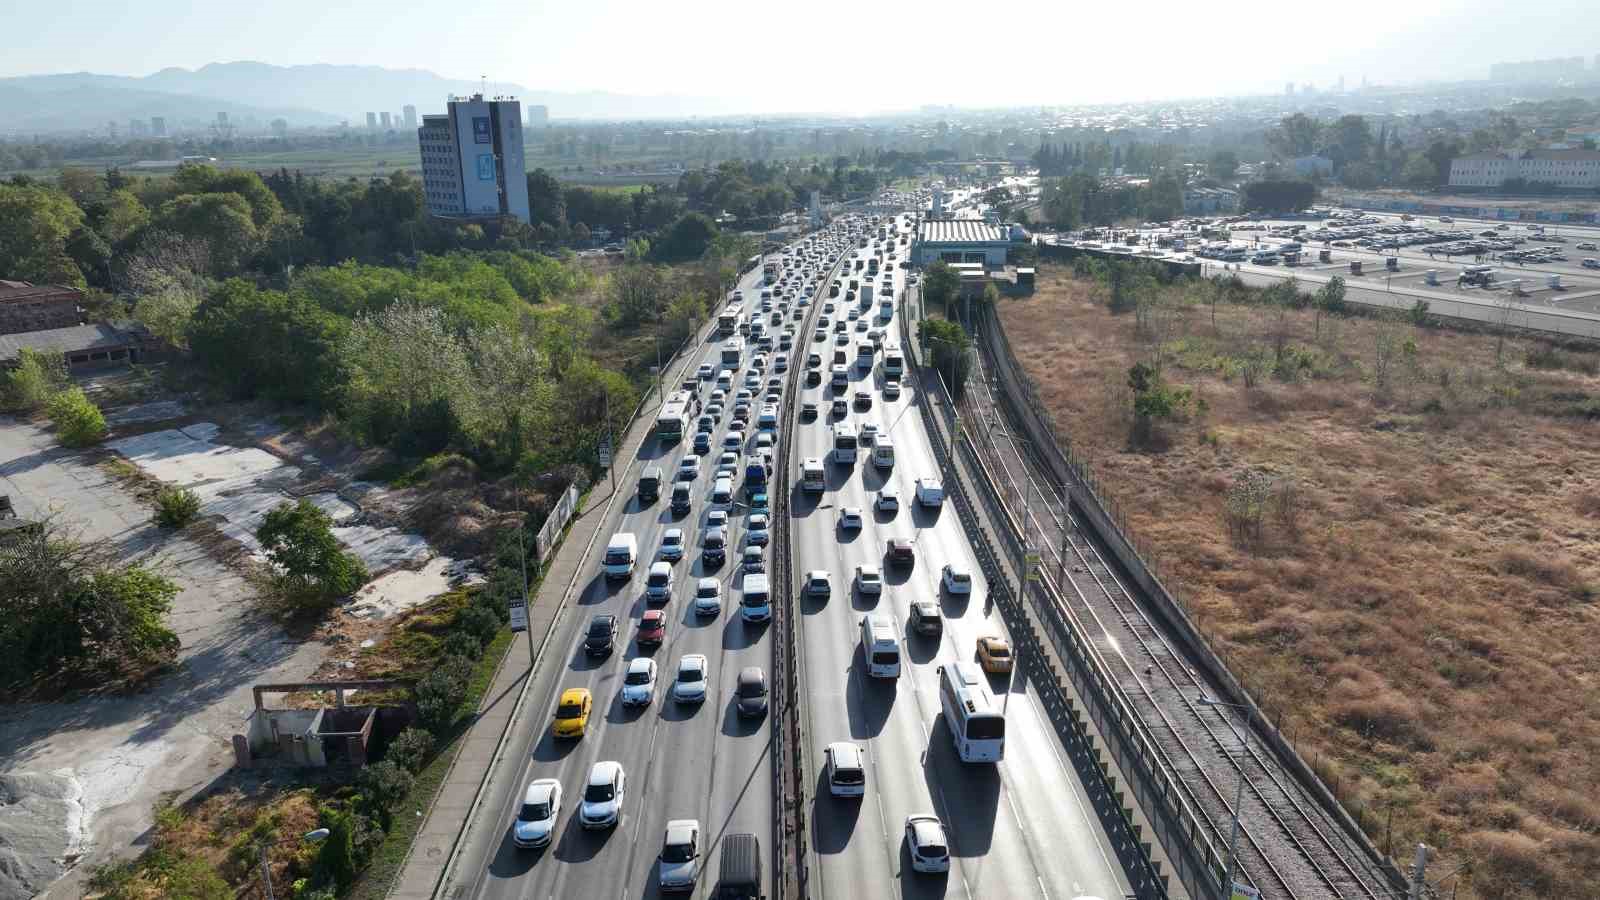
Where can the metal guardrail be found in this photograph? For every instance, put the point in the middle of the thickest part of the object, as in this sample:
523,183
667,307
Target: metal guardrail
1071,644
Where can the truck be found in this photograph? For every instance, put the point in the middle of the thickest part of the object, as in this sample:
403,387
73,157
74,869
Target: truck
739,875
866,296
756,473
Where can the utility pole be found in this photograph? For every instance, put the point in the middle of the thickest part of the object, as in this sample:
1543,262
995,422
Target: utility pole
522,553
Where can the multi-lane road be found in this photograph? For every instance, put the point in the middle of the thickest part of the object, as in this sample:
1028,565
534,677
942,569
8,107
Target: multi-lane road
1022,828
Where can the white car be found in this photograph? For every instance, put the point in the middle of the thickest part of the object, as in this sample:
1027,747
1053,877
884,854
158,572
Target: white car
708,597
925,839
536,820
957,579
690,685
850,518
846,768
639,685
602,795
672,544
818,583
869,579
888,500
680,856
869,433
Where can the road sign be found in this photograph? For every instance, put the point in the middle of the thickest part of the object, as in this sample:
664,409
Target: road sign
1245,892
605,454
1030,562
519,615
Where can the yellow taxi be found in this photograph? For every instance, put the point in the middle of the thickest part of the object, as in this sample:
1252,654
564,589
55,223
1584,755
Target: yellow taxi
994,654
572,713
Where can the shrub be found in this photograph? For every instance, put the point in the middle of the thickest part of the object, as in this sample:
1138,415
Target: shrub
441,691
411,749
78,421
335,865
478,622
37,377
383,785
176,507
460,643
298,537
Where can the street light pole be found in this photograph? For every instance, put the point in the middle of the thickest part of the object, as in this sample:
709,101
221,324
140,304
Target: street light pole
1238,793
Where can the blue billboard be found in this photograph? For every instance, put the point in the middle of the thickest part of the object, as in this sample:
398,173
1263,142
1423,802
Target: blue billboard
480,130
486,167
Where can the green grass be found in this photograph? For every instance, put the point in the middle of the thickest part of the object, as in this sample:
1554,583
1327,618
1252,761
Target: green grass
387,862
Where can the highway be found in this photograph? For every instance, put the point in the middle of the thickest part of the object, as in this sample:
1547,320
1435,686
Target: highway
697,761
1022,828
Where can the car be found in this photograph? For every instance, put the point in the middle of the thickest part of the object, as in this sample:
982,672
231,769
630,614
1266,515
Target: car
708,597
855,316
869,580
840,409
702,443
639,684
690,684
863,400
688,468
572,714
850,518
672,544
728,459
717,518
845,764
891,389
603,794
994,654
813,378
705,372
869,432
818,583
957,579
758,501
926,841
715,410
753,560
821,334
705,425
680,856
925,618
714,545
808,409
601,636
536,819
841,339
733,441
780,363
652,628
750,692
757,529
888,500
719,396
741,413
764,440
901,551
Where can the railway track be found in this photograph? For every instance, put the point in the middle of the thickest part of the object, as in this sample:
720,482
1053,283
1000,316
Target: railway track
1288,845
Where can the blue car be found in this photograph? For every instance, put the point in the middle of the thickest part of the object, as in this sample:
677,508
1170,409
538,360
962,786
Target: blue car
758,501
758,533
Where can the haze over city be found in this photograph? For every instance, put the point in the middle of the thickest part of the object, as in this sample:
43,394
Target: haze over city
776,58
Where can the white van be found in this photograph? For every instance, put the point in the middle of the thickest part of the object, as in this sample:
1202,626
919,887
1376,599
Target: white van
756,603
930,492
722,492
883,452
621,554
879,646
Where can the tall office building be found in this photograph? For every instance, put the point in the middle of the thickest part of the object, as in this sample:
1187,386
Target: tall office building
158,126
538,116
383,117
222,118
411,115
472,160
372,121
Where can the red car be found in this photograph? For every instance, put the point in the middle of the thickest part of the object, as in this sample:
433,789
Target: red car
652,628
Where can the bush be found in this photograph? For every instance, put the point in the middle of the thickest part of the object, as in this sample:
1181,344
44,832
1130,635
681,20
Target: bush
335,865
460,643
78,421
37,377
384,786
298,537
411,749
479,623
441,691
176,507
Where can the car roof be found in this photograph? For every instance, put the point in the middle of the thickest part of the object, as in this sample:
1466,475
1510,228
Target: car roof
652,615
845,753
709,582
604,772
540,790
680,831
602,619
639,664
660,568
674,532
927,829
750,674
692,661
574,695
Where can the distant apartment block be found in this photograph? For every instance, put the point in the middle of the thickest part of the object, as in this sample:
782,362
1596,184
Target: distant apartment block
538,116
28,307
384,121
1573,169
1201,200
222,118
372,121
410,114
472,159
1565,68
158,126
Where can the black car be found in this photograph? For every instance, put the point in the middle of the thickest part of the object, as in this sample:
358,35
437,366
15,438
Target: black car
715,546
602,635
752,691
901,552
925,618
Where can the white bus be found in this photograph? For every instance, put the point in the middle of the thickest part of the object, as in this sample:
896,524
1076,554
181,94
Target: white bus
894,363
728,319
732,352
673,420
844,443
879,647
976,725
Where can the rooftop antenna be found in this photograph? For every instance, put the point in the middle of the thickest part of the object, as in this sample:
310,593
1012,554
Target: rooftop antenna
483,84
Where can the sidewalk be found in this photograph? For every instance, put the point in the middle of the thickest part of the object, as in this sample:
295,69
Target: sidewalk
483,746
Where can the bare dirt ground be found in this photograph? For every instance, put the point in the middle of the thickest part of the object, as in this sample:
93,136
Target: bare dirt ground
1426,615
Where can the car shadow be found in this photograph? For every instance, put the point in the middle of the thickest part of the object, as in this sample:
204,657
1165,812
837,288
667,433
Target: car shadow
972,789
671,710
842,535
600,589
869,701
921,648
833,819
578,845
619,714
551,750
924,516
954,606
511,861
895,575
737,634
582,661
735,725
873,478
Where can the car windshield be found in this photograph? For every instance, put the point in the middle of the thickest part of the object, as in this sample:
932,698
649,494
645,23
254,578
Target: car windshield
534,812
689,676
599,793
569,710
599,629
932,851
640,676
752,689
999,652
677,853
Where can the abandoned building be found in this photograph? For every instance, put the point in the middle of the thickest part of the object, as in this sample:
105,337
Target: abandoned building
83,346
31,307
322,736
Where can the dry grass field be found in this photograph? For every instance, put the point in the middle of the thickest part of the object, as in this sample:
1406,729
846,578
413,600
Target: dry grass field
1423,605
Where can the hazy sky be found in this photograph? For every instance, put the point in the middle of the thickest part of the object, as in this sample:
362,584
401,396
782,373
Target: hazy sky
842,55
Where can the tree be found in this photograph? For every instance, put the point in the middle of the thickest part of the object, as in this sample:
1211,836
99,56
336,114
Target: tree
123,216
335,864
638,294
1351,140
1224,163
1153,401
411,749
1359,175
940,285
1295,136
1163,199
176,507
1419,172
950,351
687,239
267,343
78,421
384,785
1329,299
223,221
35,225
1278,195
298,538
38,376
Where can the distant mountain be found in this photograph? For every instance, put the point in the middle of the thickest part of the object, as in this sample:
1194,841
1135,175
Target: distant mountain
304,95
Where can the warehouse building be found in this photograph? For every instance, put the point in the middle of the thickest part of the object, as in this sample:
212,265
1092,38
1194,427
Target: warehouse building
965,241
